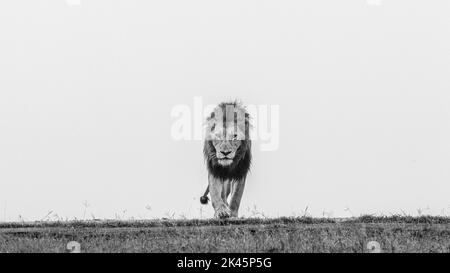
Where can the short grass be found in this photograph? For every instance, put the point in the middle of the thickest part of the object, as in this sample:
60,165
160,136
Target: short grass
303,234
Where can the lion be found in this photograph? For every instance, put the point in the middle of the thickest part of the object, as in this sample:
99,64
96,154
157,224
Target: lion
227,152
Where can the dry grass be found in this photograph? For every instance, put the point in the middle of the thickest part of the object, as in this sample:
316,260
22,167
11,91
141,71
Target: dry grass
303,234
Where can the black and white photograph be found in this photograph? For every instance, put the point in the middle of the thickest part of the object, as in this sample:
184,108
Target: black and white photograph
242,129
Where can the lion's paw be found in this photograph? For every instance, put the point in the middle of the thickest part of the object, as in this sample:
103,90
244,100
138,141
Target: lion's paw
222,212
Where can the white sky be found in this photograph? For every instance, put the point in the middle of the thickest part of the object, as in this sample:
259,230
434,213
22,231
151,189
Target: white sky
86,94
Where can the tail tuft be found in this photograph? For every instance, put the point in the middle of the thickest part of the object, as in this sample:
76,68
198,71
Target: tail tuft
204,200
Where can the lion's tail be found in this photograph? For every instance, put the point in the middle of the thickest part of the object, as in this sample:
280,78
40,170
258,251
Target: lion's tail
204,198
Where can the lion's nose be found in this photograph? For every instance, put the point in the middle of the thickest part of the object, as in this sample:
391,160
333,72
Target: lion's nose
225,153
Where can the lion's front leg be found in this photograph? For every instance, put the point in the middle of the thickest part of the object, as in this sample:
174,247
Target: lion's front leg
237,189
216,189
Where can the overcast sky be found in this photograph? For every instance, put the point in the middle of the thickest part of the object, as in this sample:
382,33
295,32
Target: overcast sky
86,94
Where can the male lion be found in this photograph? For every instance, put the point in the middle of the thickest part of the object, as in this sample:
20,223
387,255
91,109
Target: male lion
227,151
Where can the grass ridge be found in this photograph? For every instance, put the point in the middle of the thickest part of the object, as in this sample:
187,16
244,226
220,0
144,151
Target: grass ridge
227,222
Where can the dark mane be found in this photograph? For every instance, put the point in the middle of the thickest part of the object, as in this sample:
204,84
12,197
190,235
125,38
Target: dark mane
240,168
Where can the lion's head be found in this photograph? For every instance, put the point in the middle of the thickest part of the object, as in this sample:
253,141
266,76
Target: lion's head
227,144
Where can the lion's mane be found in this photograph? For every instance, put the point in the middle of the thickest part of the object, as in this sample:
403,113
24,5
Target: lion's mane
241,165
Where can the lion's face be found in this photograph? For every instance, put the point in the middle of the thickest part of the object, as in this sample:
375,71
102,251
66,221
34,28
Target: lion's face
226,142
